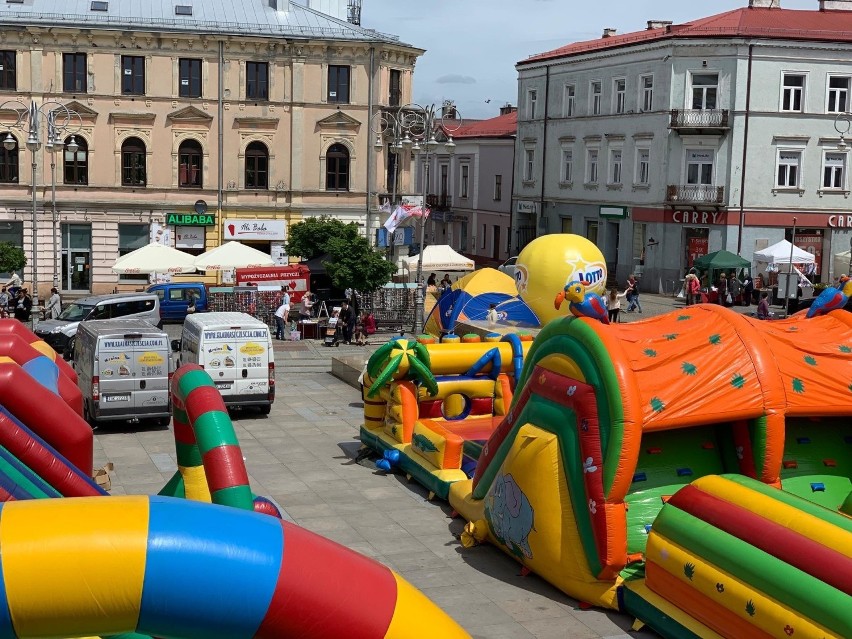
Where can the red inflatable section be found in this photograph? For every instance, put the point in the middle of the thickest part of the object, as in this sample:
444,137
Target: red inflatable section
21,352
14,327
47,415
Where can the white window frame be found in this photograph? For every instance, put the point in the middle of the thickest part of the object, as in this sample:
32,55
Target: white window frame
844,92
593,156
642,175
687,164
595,98
717,86
464,181
566,165
615,166
802,91
779,165
619,96
569,100
843,170
529,164
532,103
646,93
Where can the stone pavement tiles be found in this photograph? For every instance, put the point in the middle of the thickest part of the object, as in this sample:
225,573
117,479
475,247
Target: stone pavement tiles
302,457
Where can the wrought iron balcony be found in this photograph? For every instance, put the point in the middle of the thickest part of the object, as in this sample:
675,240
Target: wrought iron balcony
695,194
701,121
439,202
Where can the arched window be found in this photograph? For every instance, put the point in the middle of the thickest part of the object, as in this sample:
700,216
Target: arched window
8,159
257,166
189,164
77,162
133,161
337,168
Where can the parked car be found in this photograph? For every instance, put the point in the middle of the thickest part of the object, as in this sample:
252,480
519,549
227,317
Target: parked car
508,267
175,298
59,332
123,370
236,351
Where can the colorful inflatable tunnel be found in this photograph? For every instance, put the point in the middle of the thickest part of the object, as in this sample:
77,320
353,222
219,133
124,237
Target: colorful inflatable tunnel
608,424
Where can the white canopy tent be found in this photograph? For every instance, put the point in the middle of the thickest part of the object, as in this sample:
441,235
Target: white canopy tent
154,258
440,257
231,255
780,254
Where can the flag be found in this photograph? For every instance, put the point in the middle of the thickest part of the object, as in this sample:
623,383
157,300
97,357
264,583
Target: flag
418,211
385,206
398,217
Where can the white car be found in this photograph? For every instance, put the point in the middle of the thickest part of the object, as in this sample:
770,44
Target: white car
508,267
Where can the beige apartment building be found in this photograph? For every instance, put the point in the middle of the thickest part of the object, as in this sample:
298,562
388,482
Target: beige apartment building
195,123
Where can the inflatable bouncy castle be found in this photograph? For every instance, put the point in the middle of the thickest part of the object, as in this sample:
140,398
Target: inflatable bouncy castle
692,470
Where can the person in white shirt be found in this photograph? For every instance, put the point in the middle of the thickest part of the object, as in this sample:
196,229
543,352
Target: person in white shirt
613,304
492,316
280,312
285,304
54,304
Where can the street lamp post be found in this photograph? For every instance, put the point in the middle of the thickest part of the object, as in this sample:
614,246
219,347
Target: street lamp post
59,119
414,127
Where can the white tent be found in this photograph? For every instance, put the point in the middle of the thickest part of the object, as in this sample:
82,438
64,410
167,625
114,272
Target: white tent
780,254
441,257
154,258
231,255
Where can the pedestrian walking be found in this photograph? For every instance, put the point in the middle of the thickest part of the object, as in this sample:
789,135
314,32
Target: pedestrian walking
632,293
54,304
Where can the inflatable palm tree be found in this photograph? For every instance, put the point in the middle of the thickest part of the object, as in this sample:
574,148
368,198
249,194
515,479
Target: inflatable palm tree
399,359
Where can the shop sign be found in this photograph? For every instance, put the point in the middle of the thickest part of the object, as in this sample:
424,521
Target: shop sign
525,206
238,229
699,217
191,219
189,237
619,212
278,253
812,243
840,221
696,247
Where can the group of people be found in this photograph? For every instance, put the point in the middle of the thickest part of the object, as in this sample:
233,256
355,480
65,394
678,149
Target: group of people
433,285
16,301
729,288
631,294
354,327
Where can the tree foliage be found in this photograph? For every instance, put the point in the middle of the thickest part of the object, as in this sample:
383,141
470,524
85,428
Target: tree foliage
12,258
351,262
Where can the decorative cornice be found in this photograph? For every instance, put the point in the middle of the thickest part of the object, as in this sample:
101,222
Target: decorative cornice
189,114
132,117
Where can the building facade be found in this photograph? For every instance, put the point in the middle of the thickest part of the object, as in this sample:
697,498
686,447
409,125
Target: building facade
666,144
469,192
195,123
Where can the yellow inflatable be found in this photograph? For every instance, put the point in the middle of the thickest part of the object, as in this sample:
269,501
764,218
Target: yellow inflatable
549,262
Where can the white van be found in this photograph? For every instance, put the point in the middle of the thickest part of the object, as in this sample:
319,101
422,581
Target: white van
236,351
123,370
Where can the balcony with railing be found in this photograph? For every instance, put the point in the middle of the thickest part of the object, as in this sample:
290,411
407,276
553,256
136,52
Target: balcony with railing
695,195
700,121
439,202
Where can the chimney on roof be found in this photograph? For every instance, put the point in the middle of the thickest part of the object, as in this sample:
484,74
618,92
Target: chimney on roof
764,4
280,5
835,5
658,24
609,32
507,108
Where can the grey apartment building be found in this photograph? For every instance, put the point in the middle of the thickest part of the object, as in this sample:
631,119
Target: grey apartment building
682,139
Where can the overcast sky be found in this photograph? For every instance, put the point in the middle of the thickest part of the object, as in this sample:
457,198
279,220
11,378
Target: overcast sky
472,45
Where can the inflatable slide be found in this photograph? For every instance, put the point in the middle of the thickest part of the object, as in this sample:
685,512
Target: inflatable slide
691,469
137,567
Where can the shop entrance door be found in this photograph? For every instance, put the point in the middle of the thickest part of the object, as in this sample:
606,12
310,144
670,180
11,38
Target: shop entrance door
76,257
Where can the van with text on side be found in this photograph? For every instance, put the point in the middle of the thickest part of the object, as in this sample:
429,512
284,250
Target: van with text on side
236,351
175,298
123,371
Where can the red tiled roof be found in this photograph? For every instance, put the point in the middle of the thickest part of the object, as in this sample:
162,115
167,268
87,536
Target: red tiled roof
501,126
758,22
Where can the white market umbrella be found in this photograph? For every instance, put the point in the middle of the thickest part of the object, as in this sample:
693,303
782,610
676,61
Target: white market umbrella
154,258
232,255
780,254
